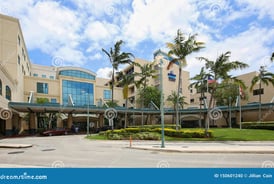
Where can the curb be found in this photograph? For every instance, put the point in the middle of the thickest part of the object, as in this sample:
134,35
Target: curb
205,151
15,145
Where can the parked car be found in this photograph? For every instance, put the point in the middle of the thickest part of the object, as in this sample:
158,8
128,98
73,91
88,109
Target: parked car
56,131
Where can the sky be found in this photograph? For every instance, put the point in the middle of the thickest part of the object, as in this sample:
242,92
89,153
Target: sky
73,32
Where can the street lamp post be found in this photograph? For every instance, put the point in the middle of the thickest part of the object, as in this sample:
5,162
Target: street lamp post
162,104
229,98
88,116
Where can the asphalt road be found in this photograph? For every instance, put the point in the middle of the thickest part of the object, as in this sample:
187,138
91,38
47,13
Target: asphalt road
74,151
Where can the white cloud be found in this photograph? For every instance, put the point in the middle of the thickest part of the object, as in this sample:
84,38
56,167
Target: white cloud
100,31
249,47
262,7
158,20
104,72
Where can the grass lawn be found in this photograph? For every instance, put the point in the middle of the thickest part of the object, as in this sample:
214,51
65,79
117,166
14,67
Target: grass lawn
221,134
227,134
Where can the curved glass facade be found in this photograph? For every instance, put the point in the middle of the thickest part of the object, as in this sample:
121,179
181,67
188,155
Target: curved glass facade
77,73
82,93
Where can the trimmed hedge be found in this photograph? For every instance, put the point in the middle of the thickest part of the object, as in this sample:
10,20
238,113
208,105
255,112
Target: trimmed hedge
258,125
153,133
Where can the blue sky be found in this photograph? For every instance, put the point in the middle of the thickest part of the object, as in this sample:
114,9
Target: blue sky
73,32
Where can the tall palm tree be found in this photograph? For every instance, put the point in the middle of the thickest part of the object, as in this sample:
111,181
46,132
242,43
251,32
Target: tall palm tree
219,70
147,71
179,50
263,77
200,84
116,57
125,81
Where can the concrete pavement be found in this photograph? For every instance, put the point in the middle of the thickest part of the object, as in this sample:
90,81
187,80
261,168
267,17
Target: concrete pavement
210,147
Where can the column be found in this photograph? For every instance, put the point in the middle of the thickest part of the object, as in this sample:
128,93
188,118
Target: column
32,123
70,120
8,127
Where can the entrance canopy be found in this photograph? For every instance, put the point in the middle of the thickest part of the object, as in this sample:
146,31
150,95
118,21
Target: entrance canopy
55,107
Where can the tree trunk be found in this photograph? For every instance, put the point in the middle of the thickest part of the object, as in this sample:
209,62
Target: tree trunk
125,126
112,85
260,100
178,94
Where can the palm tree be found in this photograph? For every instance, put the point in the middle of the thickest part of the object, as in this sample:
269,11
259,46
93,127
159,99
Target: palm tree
174,99
147,71
200,84
179,50
272,57
125,81
200,81
263,77
116,58
219,70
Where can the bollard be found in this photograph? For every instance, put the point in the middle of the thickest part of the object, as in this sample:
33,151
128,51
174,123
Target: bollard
130,141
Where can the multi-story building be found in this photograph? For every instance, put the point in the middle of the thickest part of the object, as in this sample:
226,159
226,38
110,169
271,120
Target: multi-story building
14,66
169,78
29,92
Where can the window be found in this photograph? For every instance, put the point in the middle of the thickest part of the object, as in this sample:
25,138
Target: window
44,76
192,100
19,40
258,92
42,88
82,93
107,94
77,73
51,77
8,93
53,100
35,75
18,59
0,87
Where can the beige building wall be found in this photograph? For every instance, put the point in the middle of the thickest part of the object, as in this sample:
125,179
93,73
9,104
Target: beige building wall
31,86
268,95
14,58
101,86
168,84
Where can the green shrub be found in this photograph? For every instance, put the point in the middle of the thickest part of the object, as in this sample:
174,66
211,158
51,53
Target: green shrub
153,134
258,125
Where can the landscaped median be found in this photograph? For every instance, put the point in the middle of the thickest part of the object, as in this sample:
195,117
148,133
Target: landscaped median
215,134
151,134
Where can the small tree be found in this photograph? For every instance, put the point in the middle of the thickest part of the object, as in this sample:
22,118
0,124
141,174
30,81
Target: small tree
174,99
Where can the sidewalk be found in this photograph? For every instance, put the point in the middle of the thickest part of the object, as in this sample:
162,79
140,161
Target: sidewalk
9,145
210,147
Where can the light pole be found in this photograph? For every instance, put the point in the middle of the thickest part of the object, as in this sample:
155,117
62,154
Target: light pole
162,104
87,92
229,98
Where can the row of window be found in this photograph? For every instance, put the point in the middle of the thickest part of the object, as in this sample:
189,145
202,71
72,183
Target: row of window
255,93
8,91
43,76
79,91
24,56
77,73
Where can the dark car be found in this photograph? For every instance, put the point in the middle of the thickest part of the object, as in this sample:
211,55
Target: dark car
56,131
